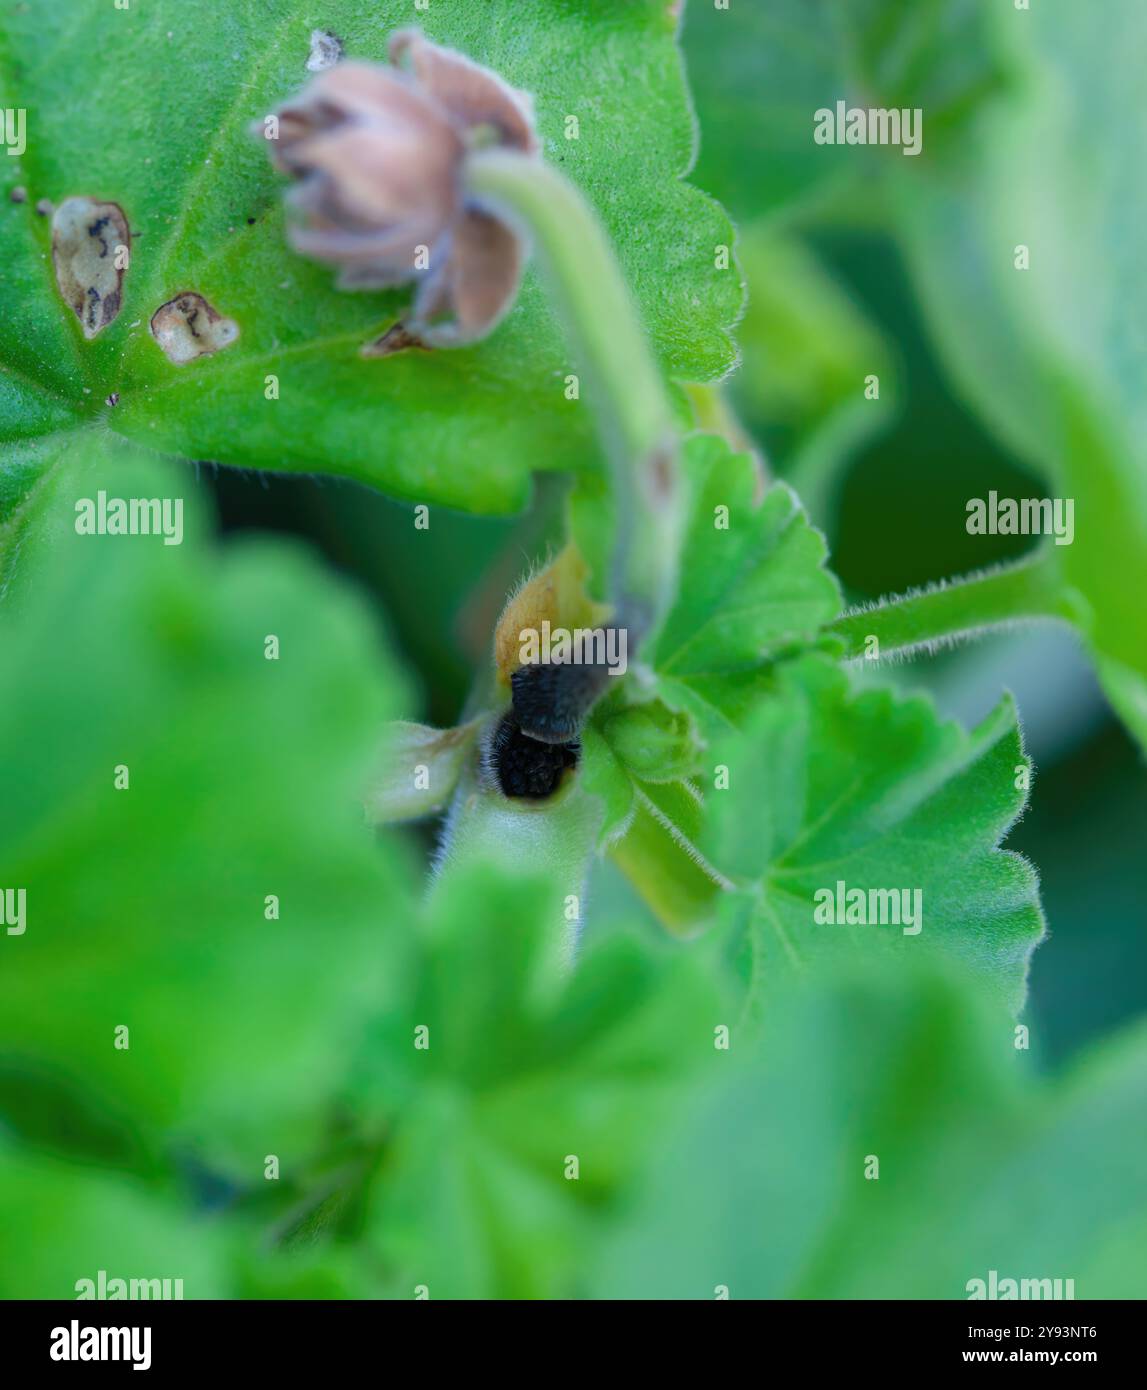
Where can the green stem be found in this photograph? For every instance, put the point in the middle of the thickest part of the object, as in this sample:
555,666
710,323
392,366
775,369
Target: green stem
1031,589
624,383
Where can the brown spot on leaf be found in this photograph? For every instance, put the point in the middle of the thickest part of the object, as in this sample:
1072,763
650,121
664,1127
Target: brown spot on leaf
397,338
187,327
90,241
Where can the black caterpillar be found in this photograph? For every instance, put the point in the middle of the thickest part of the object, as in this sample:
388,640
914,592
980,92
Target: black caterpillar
524,766
552,700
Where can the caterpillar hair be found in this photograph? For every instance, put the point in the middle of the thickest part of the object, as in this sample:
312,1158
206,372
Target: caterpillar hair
523,766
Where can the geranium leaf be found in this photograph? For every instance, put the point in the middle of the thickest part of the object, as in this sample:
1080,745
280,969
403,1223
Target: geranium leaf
832,791
113,115
1064,331
521,1067
753,587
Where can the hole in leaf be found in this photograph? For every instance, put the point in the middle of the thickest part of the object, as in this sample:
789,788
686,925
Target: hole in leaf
187,327
90,253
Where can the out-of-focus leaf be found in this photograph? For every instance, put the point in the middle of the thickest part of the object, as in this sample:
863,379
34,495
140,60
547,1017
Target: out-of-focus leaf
875,792
768,1189
225,906
523,1067
809,358
63,1223
1053,355
760,71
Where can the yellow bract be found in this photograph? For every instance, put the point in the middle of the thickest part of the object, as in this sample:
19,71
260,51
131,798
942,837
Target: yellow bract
555,595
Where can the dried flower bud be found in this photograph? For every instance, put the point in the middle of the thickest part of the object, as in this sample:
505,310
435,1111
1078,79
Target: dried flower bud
379,153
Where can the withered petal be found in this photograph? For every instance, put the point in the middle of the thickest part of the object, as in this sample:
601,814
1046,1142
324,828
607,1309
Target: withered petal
477,286
341,97
370,275
360,91
374,174
433,301
473,95
391,250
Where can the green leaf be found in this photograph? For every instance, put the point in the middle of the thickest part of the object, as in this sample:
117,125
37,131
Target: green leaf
28,479
753,587
64,1223
765,1189
1051,355
769,67
147,906
524,1065
205,210
872,791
